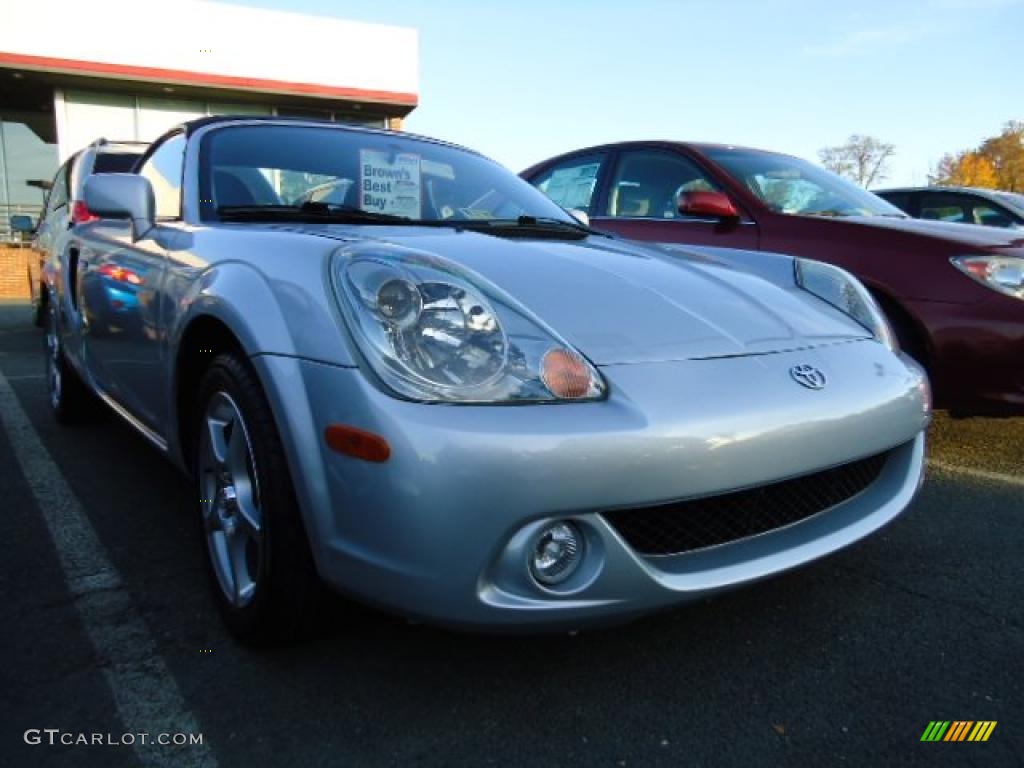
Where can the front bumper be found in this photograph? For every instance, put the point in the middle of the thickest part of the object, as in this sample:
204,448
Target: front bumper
441,531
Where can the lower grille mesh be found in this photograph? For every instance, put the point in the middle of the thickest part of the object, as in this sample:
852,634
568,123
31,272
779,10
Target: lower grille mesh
684,526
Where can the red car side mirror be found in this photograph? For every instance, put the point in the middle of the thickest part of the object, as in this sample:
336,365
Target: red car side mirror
703,203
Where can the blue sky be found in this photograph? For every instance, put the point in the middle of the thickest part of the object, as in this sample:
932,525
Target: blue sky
525,80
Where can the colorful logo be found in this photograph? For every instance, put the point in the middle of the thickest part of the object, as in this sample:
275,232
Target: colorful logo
958,730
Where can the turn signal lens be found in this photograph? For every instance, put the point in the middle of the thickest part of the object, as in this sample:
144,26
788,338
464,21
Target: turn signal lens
566,374
358,443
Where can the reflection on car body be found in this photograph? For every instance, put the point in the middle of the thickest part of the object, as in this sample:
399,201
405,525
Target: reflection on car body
65,204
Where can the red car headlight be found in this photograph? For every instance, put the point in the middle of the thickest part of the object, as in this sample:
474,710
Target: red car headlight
1000,273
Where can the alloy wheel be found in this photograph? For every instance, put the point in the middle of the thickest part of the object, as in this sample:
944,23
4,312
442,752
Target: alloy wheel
230,500
54,379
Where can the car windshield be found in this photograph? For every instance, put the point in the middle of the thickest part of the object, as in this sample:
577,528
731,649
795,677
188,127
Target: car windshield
1014,199
289,170
793,186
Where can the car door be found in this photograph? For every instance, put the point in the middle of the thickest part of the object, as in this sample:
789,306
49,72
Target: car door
121,282
643,196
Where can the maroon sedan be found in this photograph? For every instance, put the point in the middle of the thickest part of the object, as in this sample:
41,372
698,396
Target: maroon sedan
954,292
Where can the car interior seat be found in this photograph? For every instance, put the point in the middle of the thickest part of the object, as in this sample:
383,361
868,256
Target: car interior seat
632,200
229,190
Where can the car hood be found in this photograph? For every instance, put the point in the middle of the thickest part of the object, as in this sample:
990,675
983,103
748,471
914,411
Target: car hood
620,302
970,235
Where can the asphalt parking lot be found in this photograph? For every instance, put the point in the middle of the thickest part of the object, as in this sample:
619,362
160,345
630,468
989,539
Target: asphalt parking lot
844,662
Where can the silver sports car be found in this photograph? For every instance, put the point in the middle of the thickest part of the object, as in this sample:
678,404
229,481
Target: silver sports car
443,394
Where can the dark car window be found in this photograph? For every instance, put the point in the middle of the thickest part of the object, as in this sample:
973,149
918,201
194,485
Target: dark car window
648,183
163,168
943,206
59,191
900,199
572,182
115,162
990,216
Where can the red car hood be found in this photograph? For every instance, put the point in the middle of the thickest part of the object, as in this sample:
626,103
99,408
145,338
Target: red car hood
967,234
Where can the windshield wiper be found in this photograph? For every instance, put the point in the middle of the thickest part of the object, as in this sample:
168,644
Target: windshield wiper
525,226
309,211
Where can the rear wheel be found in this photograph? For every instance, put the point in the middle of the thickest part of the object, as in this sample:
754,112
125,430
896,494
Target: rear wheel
42,308
256,545
66,391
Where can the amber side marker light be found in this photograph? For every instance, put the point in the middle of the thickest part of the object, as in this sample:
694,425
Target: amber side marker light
357,442
565,374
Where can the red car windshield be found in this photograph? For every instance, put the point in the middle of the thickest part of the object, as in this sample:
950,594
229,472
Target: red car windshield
793,186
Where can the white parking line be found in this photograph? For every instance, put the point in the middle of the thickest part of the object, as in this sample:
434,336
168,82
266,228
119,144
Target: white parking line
147,697
979,474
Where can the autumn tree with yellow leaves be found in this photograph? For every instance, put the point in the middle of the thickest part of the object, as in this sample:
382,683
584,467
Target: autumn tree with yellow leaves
998,163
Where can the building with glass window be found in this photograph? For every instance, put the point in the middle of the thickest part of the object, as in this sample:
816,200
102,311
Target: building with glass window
123,70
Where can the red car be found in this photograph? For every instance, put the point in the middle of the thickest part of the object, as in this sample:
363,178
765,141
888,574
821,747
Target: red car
953,292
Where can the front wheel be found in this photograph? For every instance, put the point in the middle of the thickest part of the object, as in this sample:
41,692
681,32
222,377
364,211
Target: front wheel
259,556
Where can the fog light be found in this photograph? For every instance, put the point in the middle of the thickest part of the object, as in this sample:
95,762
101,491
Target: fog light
557,553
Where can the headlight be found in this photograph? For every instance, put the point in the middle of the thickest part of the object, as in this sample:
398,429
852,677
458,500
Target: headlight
432,331
847,294
1000,273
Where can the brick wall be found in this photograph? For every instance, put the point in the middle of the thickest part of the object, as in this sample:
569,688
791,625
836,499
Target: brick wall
14,272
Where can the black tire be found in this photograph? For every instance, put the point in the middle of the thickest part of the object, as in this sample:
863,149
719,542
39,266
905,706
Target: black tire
67,394
909,340
907,333
279,565
42,308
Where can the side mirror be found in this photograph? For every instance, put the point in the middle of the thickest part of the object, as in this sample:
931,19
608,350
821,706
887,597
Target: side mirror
704,203
122,196
23,224
581,216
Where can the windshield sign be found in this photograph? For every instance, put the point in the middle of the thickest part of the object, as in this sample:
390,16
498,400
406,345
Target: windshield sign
390,183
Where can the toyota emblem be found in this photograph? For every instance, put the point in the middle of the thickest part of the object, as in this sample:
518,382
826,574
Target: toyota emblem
808,376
